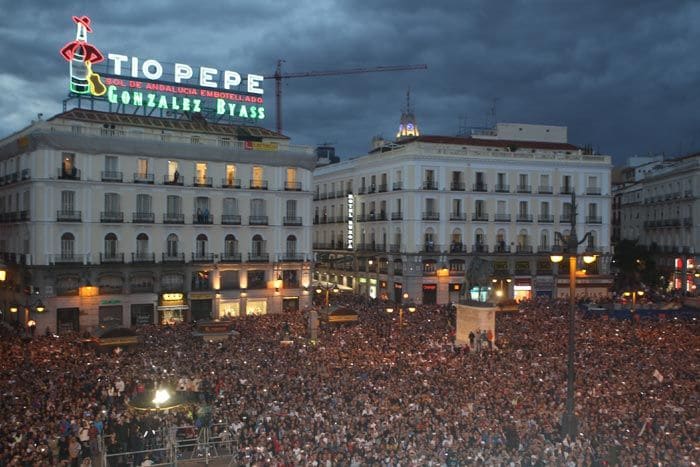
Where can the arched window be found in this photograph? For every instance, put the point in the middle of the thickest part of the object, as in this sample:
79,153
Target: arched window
429,240
141,245
258,246
291,246
501,242
479,246
456,244
67,246
172,246
201,246
523,238
230,246
110,245
544,240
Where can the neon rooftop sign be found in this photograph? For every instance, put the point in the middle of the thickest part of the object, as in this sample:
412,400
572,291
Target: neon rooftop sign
129,80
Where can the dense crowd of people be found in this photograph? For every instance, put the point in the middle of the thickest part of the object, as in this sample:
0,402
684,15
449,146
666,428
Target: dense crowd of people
369,393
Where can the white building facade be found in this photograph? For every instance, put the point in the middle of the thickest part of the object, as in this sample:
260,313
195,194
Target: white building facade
659,209
114,219
429,210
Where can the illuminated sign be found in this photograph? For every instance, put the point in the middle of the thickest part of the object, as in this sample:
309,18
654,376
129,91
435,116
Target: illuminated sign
172,296
351,214
258,146
127,80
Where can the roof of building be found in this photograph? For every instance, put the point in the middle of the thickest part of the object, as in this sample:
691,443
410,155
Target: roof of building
242,132
471,141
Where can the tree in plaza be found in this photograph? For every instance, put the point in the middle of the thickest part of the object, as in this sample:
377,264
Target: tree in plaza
635,265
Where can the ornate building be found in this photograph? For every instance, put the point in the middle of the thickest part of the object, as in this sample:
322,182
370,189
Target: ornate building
432,215
117,219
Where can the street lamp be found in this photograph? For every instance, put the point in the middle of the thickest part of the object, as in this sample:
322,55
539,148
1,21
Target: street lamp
327,288
571,243
499,291
634,294
405,306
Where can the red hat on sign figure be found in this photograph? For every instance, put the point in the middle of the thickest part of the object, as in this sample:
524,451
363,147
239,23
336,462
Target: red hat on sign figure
84,20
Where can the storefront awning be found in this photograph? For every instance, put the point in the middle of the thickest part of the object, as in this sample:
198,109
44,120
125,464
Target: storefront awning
172,307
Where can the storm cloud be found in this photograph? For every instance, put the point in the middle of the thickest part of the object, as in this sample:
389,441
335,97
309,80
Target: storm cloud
623,75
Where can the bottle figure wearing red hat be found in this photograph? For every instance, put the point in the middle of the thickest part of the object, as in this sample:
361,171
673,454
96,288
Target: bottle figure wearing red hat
81,55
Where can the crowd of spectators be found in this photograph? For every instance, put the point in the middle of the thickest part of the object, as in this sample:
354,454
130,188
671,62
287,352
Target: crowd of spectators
370,393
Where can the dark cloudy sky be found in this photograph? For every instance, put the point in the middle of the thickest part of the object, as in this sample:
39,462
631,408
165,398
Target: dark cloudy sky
623,75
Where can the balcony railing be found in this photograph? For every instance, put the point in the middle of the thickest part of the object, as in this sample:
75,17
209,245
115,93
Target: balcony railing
230,219
173,180
230,183
501,248
500,217
230,257
565,219
291,257
523,249
69,174
258,257
502,188
545,218
112,176
141,257
258,184
593,190
382,188
111,216
143,178
107,258
458,216
544,249
171,218
257,220
143,217
68,216
481,187
594,219
480,217
458,248
430,185
480,248
68,258
202,257
202,181
291,220
26,174
202,219
545,190
431,216
397,186
523,217
565,190
394,248
173,257
457,186
396,216
292,186
429,248
524,189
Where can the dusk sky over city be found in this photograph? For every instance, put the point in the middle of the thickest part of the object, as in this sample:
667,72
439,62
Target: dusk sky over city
623,76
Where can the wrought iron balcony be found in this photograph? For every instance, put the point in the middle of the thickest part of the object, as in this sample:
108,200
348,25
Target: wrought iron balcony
143,217
230,219
108,176
382,188
107,258
430,185
500,217
458,216
257,220
481,187
172,180
112,216
258,257
291,257
458,248
292,186
523,249
68,258
172,218
68,173
230,257
593,190
202,219
502,188
396,216
230,183
143,178
545,218
258,184
458,186
202,257
68,216
141,257
594,219
431,216
173,257
291,220
545,190
480,217
524,189
397,186
501,248
524,217
480,248
202,181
